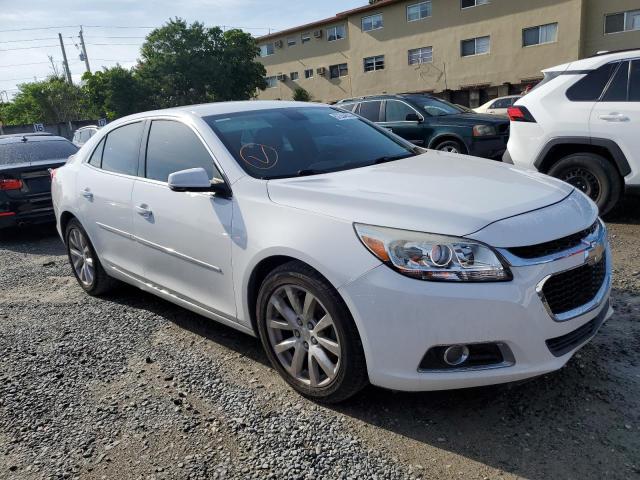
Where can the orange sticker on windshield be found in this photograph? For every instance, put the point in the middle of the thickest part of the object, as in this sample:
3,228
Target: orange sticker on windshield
259,156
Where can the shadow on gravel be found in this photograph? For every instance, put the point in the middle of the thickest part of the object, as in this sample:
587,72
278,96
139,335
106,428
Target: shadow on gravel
132,297
38,240
626,212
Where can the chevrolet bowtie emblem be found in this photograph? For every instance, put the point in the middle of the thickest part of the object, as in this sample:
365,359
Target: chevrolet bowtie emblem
594,251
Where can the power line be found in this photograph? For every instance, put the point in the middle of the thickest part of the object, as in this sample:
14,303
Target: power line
28,48
28,40
23,64
112,44
37,28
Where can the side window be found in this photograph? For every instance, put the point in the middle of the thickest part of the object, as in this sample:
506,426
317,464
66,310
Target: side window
398,111
590,87
121,149
96,156
634,82
498,104
370,110
348,106
617,89
172,147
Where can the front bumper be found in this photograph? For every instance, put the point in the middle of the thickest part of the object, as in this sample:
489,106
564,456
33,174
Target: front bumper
488,147
400,318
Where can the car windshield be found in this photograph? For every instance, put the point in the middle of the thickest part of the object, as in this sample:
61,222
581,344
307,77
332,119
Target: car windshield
25,152
297,141
436,107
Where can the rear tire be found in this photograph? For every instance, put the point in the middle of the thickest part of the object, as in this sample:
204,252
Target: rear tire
592,174
84,261
451,146
315,331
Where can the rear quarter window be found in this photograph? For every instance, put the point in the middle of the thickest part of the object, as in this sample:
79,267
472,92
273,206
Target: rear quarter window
590,87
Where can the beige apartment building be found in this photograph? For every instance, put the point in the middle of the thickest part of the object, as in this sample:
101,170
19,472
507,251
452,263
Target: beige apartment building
467,51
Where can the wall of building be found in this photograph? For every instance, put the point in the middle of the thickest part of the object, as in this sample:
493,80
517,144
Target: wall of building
469,80
594,38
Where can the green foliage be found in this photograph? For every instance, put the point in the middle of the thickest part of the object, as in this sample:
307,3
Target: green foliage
180,64
50,101
301,95
185,64
115,92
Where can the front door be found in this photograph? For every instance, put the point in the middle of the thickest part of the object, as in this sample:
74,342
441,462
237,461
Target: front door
185,238
104,185
404,121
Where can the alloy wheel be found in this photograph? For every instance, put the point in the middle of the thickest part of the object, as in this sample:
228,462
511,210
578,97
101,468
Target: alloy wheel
449,148
584,181
303,336
81,257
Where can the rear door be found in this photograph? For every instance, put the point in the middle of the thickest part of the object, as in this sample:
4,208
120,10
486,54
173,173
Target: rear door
104,188
370,109
403,120
616,115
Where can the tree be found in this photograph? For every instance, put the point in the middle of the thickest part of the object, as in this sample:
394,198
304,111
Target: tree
183,64
52,100
115,92
301,95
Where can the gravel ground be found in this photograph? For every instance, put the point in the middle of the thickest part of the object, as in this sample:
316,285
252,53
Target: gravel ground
130,386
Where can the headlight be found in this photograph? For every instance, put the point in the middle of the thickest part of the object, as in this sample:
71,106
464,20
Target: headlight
433,257
483,130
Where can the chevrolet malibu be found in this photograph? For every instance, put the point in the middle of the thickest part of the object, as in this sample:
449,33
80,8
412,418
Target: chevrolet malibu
353,255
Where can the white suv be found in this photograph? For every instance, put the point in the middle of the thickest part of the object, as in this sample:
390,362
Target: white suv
582,124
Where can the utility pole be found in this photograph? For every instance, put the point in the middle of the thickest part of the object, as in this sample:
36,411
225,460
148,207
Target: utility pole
84,51
65,63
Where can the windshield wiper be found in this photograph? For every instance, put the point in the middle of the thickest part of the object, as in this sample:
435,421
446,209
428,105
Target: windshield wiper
391,158
309,171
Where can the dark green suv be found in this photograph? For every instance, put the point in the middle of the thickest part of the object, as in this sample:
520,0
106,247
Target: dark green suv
435,123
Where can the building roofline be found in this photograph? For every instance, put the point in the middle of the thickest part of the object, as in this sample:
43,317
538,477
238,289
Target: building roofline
338,16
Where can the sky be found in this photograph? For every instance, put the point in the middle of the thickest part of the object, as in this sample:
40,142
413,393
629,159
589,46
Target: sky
113,29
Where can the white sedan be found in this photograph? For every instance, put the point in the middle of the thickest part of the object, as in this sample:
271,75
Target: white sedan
355,256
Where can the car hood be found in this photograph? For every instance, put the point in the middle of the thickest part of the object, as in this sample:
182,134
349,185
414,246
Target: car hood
435,192
472,119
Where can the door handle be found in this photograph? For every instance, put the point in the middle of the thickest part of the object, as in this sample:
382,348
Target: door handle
143,210
614,117
86,193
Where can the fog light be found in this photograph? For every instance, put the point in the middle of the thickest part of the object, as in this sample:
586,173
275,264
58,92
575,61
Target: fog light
456,355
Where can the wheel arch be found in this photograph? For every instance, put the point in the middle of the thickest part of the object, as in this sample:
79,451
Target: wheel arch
559,148
443,137
65,218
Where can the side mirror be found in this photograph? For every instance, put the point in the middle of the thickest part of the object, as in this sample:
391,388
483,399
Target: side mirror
413,117
196,180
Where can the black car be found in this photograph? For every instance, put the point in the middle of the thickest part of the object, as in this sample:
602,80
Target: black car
434,123
25,181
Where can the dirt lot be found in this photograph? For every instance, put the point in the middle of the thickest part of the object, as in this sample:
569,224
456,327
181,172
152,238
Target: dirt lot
130,386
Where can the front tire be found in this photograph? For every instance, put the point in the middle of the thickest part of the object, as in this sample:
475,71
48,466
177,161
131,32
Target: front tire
84,261
593,175
451,146
309,335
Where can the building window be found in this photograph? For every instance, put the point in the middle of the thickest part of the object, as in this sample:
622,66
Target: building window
336,33
475,46
291,41
472,3
272,82
622,22
305,37
294,76
336,71
418,11
374,63
308,73
421,55
372,22
267,49
539,35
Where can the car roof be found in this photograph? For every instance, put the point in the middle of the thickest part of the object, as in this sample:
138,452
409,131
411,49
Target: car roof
386,96
29,134
11,139
87,127
596,61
